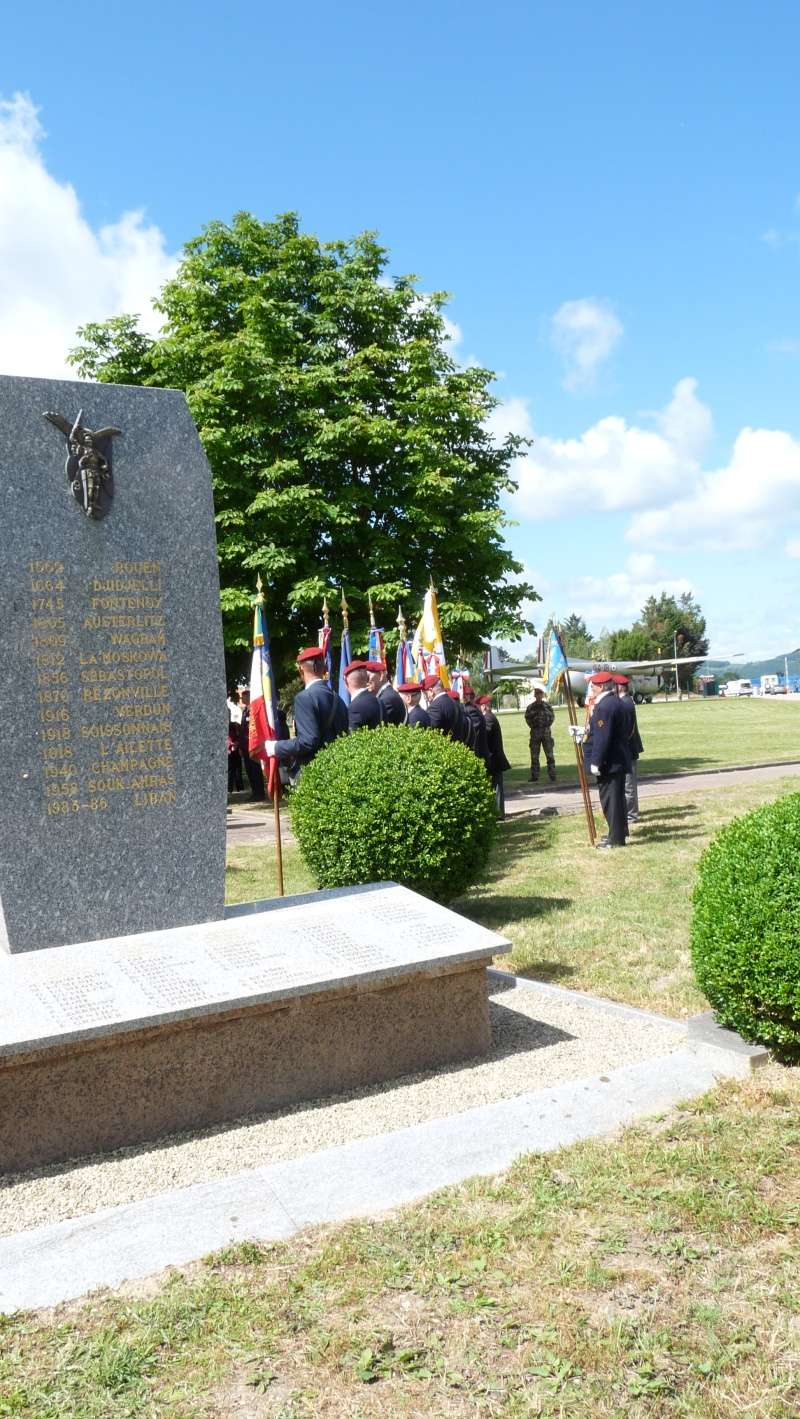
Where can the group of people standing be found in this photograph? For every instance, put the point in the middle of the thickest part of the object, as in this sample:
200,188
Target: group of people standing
611,745
321,715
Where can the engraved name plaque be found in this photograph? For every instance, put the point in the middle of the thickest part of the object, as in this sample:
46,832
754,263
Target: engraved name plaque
112,772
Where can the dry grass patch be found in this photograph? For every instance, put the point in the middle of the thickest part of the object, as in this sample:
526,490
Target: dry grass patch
650,1276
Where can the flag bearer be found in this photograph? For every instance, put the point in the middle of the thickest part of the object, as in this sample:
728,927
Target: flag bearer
607,755
320,716
623,685
363,711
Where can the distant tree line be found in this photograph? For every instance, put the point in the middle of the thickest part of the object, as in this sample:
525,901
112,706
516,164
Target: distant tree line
666,625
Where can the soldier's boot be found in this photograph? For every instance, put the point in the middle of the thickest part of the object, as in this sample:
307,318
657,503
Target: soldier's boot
551,772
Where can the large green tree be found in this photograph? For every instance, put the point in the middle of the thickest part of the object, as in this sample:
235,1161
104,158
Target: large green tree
347,447
675,624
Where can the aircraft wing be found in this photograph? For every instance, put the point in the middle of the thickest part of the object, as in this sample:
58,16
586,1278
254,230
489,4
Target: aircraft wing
655,665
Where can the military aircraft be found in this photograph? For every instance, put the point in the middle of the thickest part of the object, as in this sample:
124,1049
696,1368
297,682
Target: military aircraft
646,676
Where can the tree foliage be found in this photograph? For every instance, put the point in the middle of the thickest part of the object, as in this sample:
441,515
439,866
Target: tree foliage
347,447
577,638
666,624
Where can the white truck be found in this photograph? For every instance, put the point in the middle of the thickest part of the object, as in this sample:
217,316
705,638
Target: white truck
736,689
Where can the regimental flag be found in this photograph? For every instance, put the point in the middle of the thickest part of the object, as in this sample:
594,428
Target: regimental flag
344,659
405,670
459,680
555,664
324,641
263,698
428,646
376,649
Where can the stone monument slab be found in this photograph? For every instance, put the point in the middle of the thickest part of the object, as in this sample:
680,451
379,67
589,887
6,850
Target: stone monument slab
112,757
197,1025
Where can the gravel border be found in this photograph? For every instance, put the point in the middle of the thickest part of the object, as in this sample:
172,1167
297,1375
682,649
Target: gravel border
540,1039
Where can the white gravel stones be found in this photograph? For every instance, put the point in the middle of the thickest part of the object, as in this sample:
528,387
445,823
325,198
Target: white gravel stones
539,1039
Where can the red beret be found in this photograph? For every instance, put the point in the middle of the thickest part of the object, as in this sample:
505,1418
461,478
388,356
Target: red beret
484,700
603,677
311,652
431,680
454,695
409,687
355,665
376,666
620,679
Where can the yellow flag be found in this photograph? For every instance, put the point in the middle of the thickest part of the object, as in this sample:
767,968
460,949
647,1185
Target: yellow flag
427,648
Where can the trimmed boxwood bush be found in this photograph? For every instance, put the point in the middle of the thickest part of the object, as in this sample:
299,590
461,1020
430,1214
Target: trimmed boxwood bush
395,803
746,926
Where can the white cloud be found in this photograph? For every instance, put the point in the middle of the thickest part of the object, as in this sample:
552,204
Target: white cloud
616,598
585,333
613,465
686,422
56,270
793,547
738,506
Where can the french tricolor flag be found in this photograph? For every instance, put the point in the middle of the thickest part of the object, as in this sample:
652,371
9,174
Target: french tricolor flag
263,698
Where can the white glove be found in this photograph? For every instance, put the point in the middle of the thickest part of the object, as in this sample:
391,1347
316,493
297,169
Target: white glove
593,769
577,732
269,748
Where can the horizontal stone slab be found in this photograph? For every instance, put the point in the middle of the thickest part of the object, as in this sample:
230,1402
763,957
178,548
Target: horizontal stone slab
300,946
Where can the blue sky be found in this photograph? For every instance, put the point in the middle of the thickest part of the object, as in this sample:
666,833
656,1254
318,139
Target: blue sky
610,192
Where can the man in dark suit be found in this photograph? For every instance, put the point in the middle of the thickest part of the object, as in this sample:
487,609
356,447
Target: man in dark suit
476,726
363,711
416,716
626,699
320,716
393,711
498,763
444,714
607,755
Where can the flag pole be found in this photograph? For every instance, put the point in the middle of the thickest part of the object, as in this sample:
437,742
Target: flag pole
276,794
402,632
345,613
573,719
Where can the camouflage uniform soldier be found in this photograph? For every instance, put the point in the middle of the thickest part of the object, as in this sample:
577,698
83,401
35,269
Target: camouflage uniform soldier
539,716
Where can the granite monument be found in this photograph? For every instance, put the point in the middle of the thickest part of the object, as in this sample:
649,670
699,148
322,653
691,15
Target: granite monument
112,758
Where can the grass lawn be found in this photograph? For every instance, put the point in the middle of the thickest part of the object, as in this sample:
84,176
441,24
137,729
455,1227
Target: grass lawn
678,737
649,1276
614,924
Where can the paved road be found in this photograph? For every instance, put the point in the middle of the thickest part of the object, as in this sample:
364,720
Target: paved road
568,800
251,825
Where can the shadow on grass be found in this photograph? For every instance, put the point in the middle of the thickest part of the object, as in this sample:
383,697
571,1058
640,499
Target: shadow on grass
548,971
667,825
674,810
491,909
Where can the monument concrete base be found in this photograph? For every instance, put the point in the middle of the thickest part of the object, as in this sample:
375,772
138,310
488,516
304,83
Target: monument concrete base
108,1044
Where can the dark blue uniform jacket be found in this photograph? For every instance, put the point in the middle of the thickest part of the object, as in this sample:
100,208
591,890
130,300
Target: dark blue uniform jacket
607,745
634,737
419,717
392,707
447,715
364,712
320,716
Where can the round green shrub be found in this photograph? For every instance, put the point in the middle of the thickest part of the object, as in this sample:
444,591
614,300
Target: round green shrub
399,804
746,926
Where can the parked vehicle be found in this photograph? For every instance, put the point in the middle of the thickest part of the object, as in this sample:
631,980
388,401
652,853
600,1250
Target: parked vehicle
772,685
736,689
